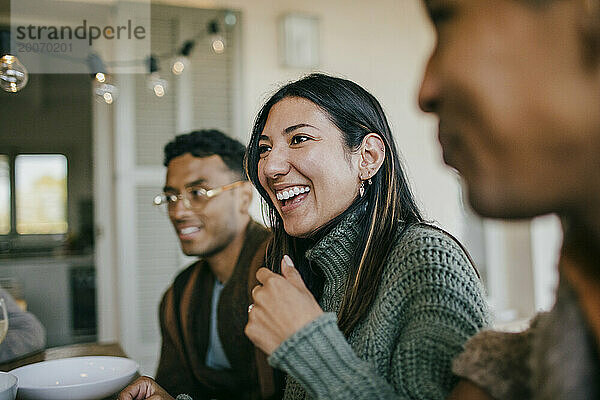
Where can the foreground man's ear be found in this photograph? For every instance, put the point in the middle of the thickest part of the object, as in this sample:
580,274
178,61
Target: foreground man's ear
589,28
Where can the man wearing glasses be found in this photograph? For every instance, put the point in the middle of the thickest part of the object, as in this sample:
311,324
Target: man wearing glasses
202,315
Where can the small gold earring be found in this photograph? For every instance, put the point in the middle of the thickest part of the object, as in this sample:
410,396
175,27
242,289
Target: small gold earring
361,189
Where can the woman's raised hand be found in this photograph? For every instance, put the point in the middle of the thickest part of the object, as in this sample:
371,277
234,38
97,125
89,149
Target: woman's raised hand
282,305
144,388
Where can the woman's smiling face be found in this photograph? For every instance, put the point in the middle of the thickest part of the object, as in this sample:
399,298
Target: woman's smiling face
308,173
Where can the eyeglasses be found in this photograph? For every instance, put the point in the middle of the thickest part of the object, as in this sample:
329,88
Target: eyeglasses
193,198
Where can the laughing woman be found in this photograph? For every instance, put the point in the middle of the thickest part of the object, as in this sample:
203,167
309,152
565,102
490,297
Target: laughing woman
361,300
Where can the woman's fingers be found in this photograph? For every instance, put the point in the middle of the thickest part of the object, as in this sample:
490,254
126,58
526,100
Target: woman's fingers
291,274
282,305
256,332
270,284
263,274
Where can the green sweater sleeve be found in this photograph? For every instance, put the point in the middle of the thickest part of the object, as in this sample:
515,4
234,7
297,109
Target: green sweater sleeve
321,359
432,302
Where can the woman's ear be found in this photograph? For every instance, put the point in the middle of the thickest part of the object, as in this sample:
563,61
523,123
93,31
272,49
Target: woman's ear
372,155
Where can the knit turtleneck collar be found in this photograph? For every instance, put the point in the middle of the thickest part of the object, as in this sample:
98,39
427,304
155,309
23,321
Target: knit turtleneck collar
333,255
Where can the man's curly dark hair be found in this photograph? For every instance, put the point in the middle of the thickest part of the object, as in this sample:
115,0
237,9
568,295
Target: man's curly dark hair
205,143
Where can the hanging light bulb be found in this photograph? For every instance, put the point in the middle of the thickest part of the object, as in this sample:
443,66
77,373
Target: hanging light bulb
230,18
100,77
108,97
217,41
157,84
218,45
182,61
179,65
13,74
105,91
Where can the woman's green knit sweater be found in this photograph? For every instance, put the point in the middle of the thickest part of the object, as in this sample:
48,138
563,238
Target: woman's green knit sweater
429,302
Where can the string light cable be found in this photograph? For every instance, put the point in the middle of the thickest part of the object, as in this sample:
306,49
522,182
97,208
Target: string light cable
14,75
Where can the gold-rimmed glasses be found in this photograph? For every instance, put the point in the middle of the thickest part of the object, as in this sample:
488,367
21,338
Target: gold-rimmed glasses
193,198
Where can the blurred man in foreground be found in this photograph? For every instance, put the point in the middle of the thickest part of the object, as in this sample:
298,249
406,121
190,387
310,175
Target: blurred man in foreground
516,87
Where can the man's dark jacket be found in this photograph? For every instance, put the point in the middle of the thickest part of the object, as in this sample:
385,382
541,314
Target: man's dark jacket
185,322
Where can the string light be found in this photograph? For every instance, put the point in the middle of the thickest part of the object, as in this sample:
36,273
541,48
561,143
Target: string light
230,18
182,61
179,66
155,82
13,74
103,88
217,42
100,77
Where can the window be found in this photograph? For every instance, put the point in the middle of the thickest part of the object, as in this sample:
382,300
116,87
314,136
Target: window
38,193
4,195
41,204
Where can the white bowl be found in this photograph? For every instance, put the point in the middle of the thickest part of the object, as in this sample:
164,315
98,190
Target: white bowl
77,378
8,386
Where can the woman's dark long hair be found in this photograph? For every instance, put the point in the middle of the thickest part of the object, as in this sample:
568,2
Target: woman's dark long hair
388,200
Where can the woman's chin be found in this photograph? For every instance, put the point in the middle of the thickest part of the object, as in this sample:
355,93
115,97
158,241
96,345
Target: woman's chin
297,229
